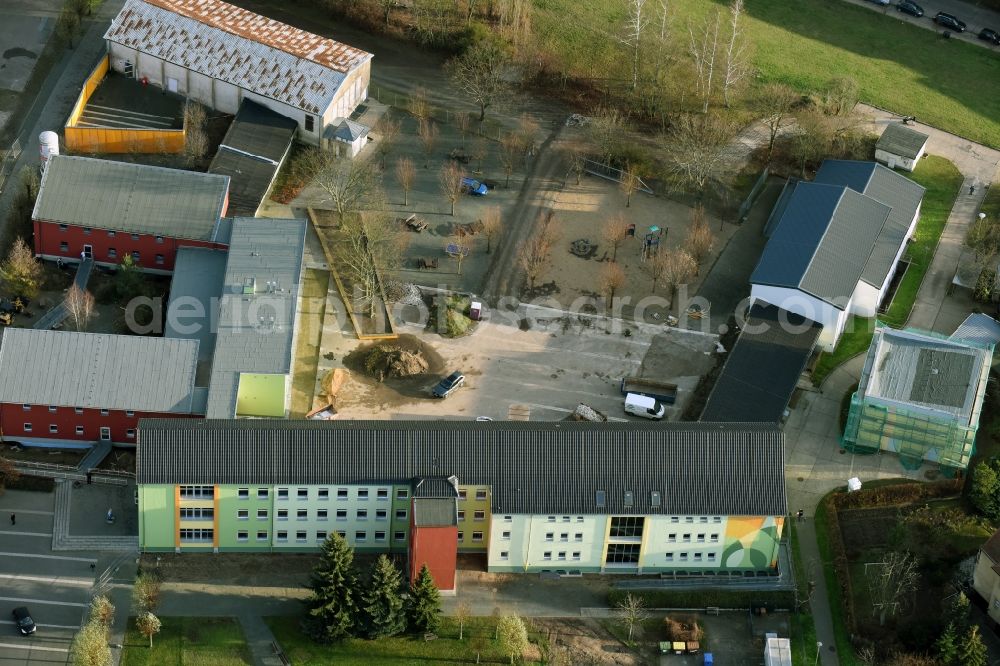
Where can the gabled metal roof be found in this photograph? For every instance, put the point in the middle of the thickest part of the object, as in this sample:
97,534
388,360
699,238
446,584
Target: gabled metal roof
231,44
763,367
257,306
822,242
697,468
901,140
978,329
126,372
884,185
133,198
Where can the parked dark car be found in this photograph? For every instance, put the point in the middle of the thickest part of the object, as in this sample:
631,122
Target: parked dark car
990,35
949,21
911,8
23,621
448,385
474,187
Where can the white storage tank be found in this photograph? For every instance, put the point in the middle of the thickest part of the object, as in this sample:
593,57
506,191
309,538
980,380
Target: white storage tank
48,145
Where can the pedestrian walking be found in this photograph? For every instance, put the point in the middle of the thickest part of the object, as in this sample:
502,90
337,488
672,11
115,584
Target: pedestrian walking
799,514
13,519
972,189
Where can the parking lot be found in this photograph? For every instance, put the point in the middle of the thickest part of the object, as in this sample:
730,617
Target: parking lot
55,586
557,363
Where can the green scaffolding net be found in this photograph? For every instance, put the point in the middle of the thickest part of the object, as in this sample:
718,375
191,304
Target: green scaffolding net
922,431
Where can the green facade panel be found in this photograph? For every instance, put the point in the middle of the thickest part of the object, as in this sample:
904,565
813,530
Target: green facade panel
156,517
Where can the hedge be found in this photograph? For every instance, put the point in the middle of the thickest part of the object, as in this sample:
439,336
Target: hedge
41,484
713,598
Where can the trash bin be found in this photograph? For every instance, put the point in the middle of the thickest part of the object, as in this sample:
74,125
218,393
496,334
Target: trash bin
475,310
708,659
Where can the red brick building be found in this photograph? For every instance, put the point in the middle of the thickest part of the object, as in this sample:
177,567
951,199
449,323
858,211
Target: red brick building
70,389
434,531
109,210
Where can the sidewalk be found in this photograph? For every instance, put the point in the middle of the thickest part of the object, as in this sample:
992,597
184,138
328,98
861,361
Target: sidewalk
820,602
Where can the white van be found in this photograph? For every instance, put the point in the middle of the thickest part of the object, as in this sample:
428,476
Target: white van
644,406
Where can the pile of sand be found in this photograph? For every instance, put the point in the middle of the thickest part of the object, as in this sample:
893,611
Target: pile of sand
385,361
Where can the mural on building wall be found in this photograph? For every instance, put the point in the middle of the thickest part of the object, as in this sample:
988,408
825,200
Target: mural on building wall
751,542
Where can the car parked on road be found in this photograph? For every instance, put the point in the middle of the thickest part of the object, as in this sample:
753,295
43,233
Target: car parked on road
911,8
949,21
881,2
474,187
448,385
22,620
990,35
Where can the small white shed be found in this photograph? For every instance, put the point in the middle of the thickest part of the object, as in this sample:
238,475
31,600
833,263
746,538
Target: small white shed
900,146
347,138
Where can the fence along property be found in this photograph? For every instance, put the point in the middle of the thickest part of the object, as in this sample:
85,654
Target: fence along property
114,140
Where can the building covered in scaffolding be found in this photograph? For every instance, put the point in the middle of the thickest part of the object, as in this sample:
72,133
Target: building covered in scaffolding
920,396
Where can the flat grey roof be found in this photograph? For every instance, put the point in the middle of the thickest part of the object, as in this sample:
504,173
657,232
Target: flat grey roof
979,329
256,330
822,242
901,140
933,375
763,367
194,297
899,193
134,198
558,467
97,370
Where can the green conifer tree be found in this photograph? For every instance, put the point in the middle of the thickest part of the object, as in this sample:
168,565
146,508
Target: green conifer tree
972,650
382,604
946,645
424,608
332,606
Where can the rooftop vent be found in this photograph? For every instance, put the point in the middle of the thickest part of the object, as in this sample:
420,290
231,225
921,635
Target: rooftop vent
601,499
249,285
654,498
629,498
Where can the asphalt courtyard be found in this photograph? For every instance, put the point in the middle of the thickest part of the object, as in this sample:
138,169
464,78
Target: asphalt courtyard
55,586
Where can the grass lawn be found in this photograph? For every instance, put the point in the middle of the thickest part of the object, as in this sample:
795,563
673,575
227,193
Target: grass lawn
395,651
991,204
191,641
898,66
942,180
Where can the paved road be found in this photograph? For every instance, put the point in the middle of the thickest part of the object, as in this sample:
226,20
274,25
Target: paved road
976,18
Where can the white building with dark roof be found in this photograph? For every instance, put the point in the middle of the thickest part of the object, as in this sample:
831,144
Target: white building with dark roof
837,244
219,54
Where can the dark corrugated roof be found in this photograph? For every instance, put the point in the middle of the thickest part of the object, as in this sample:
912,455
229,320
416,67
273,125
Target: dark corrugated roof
901,140
435,512
697,468
899,193
251,153
822,242
763,367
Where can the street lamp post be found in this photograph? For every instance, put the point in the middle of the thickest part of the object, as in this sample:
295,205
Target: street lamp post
819,646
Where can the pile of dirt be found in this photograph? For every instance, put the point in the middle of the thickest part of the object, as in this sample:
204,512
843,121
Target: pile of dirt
683,628
385,360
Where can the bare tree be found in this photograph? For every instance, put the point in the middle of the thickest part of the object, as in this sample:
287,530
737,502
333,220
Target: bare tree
610,279
983,237
678,267
428,133
696,150
463,611
405,175
80,306
418,105
636,22
480,149
459,246
535,253
102,611
890,581
370,245
736,66
841,96
387,6
699,239
510,149
148,625
614,232
492,226
577,163
775,102
462,123
345,183
630,182
813,138
527,129
451,183
8,472
480,74
21,271
606,128
387,130
663,54
195,138
632,611
703,48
